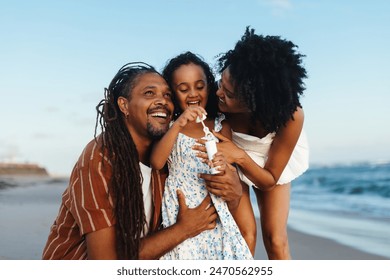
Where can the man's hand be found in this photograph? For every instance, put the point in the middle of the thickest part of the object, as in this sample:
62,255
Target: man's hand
226,183
195,220
190,222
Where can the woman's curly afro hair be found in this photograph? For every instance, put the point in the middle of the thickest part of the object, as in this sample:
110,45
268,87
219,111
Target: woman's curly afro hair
267,75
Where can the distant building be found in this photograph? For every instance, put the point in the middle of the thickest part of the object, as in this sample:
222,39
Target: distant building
22,169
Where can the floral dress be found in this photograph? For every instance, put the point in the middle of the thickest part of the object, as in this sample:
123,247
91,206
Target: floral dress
225,241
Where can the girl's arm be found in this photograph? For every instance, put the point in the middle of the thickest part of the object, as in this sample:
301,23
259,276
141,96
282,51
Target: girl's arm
162,148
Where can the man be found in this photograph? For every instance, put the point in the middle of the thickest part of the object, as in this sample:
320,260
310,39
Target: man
111,207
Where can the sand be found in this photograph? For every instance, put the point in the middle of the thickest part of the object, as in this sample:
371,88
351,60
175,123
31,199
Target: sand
310,247
26,214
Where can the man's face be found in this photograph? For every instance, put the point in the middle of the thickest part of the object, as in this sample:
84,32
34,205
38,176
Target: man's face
150,107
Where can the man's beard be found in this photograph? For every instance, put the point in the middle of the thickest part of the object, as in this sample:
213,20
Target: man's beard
155,132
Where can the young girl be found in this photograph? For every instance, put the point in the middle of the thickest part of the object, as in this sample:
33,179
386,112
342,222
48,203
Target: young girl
192,81
262,80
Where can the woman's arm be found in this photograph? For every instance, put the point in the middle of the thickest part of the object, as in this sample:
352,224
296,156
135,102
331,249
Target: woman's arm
278,156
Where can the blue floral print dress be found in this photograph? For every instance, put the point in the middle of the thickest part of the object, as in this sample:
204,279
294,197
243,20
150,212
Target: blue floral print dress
225,241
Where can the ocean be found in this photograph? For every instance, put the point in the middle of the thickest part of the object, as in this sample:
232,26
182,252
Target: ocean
346,203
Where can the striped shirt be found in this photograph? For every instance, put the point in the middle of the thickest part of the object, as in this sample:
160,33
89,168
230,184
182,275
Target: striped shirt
87,205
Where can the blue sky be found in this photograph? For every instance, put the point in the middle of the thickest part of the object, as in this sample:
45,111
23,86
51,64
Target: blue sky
56,57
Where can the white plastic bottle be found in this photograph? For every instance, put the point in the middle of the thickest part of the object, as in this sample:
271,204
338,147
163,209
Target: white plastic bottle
211,145
211,148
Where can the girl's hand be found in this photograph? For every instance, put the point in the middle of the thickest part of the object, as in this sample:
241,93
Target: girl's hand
218,161
189,115
201,150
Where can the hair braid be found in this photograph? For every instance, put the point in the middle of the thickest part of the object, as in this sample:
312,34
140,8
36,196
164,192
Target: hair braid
118,145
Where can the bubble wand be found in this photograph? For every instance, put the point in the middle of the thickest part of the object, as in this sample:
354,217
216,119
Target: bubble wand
211,145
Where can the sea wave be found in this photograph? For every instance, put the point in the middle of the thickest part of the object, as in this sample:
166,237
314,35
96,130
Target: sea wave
358,179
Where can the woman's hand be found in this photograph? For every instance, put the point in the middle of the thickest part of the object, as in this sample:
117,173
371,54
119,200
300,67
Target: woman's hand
225,146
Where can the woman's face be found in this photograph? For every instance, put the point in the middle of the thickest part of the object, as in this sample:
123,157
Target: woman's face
190,86
227,98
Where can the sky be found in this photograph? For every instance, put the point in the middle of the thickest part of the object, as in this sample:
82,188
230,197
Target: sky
56,57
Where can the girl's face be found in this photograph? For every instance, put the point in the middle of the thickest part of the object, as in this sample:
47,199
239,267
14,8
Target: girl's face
227,98
190,86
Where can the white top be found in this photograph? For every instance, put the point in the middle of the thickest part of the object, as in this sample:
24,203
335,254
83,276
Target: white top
258,148
147,192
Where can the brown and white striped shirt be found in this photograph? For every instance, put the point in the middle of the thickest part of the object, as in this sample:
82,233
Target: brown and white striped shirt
87,205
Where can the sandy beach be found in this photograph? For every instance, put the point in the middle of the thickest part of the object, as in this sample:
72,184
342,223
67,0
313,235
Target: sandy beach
310,247
27,212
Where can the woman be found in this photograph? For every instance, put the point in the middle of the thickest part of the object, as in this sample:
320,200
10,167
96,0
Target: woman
259,90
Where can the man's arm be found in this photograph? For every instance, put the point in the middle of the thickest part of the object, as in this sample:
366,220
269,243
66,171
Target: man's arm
101,244
226,183
190,222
